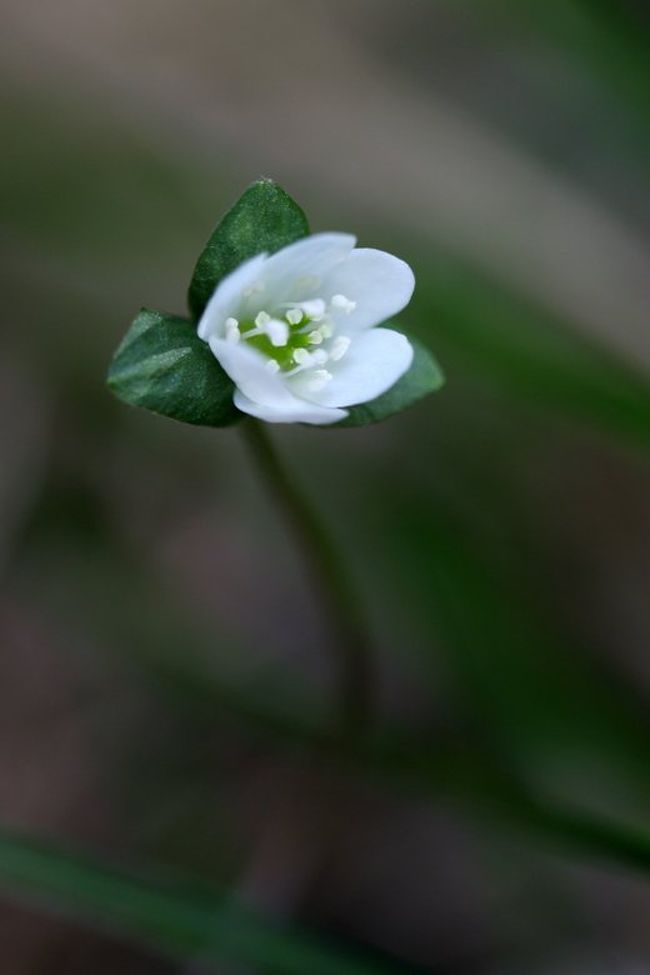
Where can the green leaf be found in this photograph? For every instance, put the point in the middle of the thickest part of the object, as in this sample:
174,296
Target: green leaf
182,924
264,218
163,366
424,376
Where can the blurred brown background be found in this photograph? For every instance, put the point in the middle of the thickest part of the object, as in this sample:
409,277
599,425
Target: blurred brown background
153,609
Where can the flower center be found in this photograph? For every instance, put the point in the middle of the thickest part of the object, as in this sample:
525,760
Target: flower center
298,336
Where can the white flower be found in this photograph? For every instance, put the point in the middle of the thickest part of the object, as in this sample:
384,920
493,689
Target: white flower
294,331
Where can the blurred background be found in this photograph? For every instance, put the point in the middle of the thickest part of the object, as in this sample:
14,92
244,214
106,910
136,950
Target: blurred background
165,673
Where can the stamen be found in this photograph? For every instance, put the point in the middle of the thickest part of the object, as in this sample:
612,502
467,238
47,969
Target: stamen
341,303
277,331
314,308
325,330
315,337
303,360
232,330
294,316
340,346
273,366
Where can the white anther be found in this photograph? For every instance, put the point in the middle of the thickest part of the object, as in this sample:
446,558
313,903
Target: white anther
303,360
326,330
264,323
277,331
232,330
340,346
262,319
294,316
319,357
318,379
315,337
314,309
273,366
341,303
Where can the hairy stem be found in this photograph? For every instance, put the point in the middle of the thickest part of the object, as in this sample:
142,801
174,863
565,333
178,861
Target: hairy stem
349,637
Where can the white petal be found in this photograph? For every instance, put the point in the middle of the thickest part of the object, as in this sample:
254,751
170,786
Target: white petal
380,284
249,371
373,363
297,272
263,393
229,297
299,412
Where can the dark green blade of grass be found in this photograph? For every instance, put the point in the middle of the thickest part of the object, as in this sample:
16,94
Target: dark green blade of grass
518,693
477,328
521,680
176,922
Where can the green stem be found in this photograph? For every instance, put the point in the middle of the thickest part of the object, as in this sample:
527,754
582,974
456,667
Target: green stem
349,637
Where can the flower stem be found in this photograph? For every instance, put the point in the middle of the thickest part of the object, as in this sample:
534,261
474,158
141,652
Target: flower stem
349,637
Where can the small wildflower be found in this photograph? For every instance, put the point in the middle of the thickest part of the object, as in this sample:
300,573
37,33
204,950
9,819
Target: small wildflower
296,331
